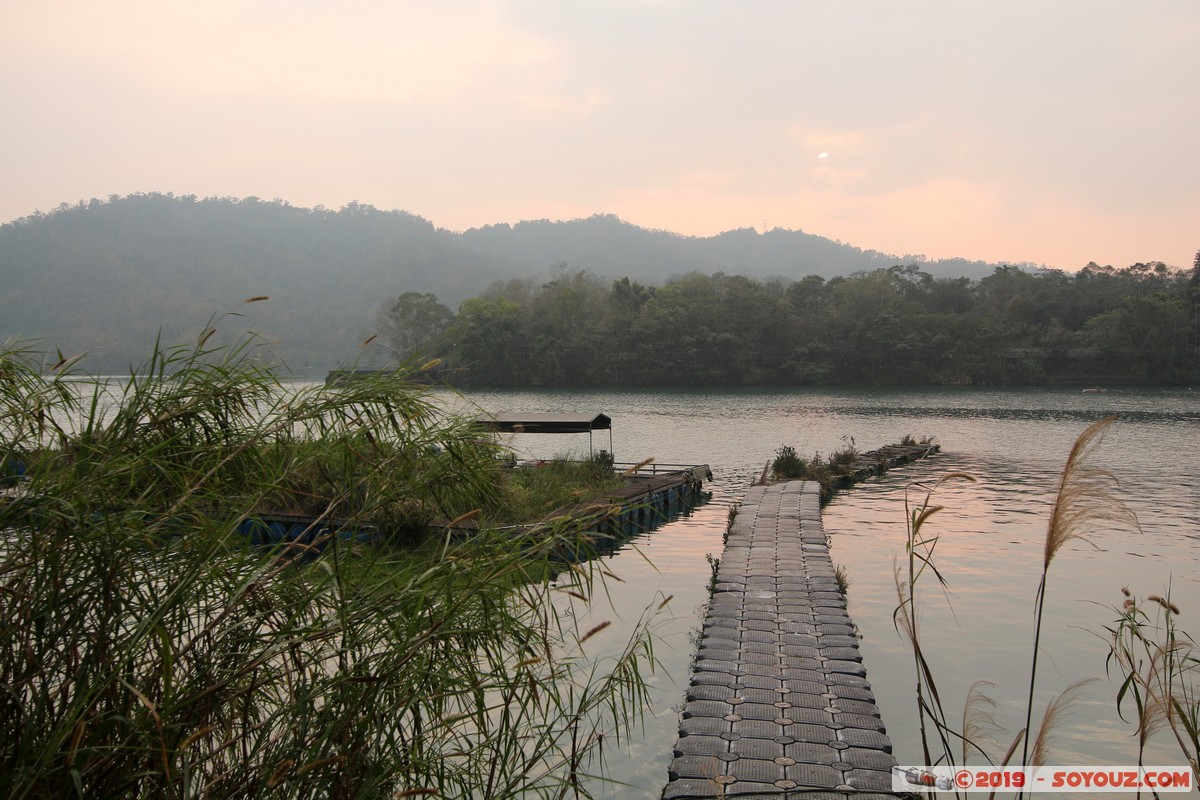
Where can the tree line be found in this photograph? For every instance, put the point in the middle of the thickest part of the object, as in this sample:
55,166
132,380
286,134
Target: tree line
108,277
896,326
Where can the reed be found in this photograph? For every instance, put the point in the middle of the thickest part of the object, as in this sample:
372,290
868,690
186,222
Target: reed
979,726
1086,501
1157,671
1159,664
920,548
147,650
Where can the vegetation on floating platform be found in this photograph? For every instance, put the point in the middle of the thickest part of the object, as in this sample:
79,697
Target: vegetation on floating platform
846,466
530,493
146,650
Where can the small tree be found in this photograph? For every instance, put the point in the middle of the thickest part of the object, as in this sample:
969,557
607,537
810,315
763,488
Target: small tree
414,325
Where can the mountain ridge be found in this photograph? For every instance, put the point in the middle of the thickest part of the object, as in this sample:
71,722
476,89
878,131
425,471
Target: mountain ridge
108,276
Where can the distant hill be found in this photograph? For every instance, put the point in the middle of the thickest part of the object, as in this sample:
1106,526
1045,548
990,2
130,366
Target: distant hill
107,276
608,246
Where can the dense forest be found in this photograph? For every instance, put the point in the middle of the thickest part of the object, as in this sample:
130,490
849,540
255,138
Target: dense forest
593,302
893,326
105,276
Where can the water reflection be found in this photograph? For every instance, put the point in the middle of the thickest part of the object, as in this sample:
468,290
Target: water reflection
1014,442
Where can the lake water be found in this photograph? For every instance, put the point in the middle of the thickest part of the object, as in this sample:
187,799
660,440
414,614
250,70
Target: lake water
1014,442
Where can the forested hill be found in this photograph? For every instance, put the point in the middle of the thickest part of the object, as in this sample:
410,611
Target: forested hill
107,276
103,277
608,246
894,326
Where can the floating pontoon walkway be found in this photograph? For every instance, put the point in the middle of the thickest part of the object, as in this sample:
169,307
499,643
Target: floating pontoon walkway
779,705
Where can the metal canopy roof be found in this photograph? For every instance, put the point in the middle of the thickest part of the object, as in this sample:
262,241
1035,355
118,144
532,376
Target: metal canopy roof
545,423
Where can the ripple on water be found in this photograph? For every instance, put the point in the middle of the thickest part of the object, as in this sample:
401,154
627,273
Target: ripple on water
992,531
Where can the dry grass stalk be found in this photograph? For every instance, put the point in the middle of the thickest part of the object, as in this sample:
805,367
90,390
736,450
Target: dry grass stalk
1086,498
920,548
1055,711
979,725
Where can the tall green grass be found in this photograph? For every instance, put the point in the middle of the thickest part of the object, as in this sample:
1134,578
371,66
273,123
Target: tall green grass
535,491
147,651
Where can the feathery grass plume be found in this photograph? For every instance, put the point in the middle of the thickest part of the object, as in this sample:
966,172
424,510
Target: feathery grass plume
979,725
1053,715
461,518
1086,500
594,630
634,469
1086,497
611,575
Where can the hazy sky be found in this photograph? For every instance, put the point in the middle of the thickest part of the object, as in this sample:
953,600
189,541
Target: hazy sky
1051,131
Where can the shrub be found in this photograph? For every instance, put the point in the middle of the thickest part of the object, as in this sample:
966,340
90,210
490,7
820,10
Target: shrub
787,464
842,459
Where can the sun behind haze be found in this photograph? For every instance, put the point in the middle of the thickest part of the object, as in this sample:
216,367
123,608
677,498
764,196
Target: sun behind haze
1056,133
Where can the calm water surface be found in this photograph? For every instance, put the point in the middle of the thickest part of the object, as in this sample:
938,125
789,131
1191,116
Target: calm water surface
1014,442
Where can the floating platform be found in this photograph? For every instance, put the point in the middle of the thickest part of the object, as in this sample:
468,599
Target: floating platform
877,462
651,496
779,704
303,533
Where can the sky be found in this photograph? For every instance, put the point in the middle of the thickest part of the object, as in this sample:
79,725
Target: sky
1052,132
